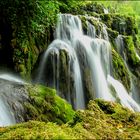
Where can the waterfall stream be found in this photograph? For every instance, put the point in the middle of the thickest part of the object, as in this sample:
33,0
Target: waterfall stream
6,118
83,53
12,96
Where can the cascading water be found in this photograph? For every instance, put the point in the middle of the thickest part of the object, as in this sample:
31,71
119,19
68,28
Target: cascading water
91,31
11,78
6,118
122,94
11,100
83,54
120,46
65,35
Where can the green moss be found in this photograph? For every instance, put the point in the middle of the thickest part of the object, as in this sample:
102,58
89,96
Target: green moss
107,19
24,57
112,34
64,74
120,71
97,24
116,111
101,120
88,85
136,41
45,105
37,130
89,7
123,24
107,107
130,51
84,24
131,26
22,70
93,7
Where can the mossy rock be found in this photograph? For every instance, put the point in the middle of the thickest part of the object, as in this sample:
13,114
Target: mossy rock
120,71
91,8
131,51
112,34
115,110
125,25
101,120
107,19
37,130
45,105
95,22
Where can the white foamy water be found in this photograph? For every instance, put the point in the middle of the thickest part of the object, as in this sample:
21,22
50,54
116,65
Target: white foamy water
12,96
6,117
10,77
97,58
91,31
106,11
125,99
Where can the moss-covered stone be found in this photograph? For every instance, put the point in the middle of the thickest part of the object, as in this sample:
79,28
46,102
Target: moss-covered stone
84,23
101,120
131,51
123,24
37,130
120,71
45,105
93,21
64,84
112,34
107,19
85,8
116,111
88,84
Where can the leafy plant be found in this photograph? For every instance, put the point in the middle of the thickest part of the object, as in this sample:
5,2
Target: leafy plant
29,16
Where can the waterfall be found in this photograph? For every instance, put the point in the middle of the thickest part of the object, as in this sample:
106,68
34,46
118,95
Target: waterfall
6,118
104,32
9,77
67,30
11,100
125,98
83,53
91,31
120,46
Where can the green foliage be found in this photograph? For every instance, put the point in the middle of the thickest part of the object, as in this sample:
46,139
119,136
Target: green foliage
29,16
27,25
